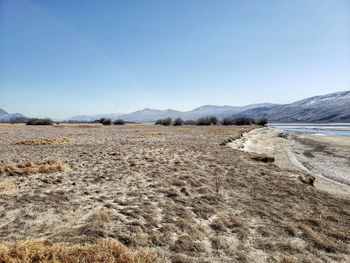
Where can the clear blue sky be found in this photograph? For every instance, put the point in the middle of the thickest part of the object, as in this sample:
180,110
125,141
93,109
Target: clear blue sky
69,57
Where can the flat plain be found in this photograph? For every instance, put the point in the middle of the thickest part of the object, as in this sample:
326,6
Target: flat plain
179,193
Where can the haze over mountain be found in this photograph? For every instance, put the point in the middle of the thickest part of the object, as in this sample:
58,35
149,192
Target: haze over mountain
334,107
112,116
5,116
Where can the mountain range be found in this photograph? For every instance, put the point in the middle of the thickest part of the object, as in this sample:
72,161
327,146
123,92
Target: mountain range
334,107
5,116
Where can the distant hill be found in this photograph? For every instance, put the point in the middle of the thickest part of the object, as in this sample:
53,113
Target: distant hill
151,115
220,111
334,107
5,116
88,118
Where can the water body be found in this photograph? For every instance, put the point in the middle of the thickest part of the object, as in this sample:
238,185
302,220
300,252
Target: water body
320,129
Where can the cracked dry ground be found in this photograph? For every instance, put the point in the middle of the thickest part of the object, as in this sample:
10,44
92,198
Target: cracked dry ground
175,190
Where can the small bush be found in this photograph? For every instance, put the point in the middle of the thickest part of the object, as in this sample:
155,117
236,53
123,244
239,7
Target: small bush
189,122
178,122
238,121
227,121
244,120
164,122
105,121
119,122
203,121
261,121
211,120
35,121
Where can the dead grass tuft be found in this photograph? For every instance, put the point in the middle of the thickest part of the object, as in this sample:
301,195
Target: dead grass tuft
41,141
102,251
7,187
321,242
231,223
187,244
219,243
100,218
33,167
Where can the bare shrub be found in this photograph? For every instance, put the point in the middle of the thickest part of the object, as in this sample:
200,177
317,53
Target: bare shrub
178,122
213,120
210,120
227,121
33,167
218,183
102,251
119,122
105,121
189,122
164,122
242,120
261,121
36,121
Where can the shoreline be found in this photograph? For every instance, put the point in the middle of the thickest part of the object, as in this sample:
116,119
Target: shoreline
326,157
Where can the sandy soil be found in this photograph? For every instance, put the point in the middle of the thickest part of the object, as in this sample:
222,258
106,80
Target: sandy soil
326,157
181,192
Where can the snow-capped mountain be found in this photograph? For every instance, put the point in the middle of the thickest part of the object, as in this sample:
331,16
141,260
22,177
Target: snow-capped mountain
334,107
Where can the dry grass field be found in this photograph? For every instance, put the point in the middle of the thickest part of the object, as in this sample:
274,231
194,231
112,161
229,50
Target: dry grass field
144,193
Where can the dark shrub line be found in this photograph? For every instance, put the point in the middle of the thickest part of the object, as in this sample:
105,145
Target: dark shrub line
178,122
119,122
105,121
212,120
164,122
36,121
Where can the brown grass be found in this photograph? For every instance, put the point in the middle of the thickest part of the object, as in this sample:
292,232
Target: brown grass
33,167
7,187
154,134
100,218
102,251
41,141
321,241
159,192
